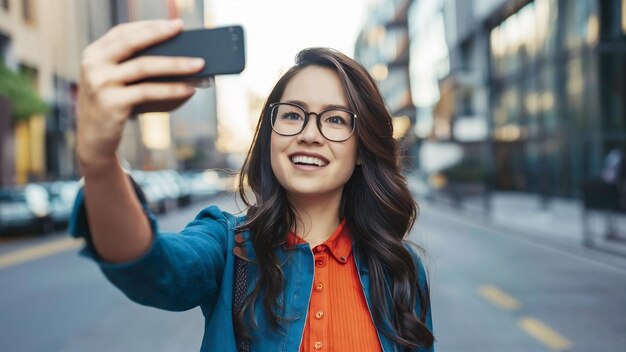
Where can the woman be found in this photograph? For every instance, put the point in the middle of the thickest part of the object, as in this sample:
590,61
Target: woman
324,263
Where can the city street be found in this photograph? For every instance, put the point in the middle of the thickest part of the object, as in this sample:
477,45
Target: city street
507,118
491,289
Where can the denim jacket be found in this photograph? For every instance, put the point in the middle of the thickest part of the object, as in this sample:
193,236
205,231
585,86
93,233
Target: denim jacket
196,267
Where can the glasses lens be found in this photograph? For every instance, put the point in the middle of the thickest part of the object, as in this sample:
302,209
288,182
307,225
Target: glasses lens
287,119
337,125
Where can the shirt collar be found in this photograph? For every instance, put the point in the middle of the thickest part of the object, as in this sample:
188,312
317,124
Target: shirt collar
339,244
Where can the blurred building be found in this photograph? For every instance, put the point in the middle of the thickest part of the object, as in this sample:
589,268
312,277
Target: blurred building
527,96
45,39
34,40
383,49
555,79
558,92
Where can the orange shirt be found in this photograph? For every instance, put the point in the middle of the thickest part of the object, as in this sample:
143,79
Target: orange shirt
338,318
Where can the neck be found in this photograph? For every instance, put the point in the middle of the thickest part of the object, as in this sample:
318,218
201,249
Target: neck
317,217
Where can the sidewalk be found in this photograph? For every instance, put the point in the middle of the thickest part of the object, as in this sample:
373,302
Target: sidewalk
556,220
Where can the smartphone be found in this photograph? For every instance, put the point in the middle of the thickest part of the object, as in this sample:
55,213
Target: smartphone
223,51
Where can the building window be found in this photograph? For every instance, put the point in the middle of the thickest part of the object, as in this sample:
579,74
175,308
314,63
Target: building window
4,45
28,11
31,74
624,16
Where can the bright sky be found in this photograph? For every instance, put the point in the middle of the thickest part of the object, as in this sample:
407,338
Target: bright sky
275,31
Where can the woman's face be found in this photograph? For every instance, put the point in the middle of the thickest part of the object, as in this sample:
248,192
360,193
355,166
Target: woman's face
307,164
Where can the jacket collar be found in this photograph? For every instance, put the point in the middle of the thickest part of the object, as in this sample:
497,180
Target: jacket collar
339,244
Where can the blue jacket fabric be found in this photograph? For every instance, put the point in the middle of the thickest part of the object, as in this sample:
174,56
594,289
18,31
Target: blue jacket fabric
196,268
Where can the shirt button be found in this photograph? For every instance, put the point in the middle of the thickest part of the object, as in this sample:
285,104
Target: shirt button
319,314
320,249
320,262
319,287
318,345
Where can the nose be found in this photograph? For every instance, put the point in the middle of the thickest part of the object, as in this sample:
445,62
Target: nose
311,133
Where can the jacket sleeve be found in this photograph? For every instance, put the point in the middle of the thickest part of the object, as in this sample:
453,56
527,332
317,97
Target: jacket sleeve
178,272
424,286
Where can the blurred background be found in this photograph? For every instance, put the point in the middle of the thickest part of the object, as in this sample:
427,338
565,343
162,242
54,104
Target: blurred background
511,115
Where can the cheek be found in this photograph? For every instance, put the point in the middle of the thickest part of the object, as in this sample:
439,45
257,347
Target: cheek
352,150
277,145
351,159
273,155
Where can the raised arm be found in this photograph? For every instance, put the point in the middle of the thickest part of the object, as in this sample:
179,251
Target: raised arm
108,96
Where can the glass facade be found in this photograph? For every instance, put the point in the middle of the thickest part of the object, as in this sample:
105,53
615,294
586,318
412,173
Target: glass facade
557,99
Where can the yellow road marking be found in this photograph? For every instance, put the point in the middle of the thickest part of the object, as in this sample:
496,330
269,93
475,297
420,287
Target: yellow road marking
39,251
498,297
544,334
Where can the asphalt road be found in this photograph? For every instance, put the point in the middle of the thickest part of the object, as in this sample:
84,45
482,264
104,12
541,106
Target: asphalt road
492,290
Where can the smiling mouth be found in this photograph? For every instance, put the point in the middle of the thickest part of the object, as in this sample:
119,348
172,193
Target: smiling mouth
308,160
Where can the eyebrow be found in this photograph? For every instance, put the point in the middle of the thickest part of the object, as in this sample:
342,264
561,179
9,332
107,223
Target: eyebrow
324,107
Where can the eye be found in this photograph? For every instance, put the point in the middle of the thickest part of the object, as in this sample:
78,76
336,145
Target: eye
335,120
293,116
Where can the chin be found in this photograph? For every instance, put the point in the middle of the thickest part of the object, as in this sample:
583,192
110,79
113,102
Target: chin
310,190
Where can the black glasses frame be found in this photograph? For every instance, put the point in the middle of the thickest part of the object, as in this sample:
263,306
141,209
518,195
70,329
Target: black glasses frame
306,120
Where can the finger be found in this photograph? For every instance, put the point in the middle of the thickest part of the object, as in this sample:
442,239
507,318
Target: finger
125,39
159,106
154,66
153,92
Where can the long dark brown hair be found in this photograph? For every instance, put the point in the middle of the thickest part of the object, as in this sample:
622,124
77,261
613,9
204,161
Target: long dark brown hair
376,188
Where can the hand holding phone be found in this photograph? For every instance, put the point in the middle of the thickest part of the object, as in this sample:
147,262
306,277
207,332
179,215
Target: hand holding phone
113,85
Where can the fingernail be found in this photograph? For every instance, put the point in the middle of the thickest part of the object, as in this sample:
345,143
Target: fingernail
196,63
176,23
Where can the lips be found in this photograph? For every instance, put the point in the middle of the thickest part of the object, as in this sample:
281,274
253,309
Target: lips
308,159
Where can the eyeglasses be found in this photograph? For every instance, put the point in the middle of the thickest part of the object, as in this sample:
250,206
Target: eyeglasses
289,119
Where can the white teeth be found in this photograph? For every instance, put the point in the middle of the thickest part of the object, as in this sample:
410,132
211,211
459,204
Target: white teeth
307,160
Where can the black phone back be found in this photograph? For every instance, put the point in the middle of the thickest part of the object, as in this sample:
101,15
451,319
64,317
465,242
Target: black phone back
223,50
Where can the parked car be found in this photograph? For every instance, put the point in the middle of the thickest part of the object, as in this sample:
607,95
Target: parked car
179,184
61,195
159,195
25,210
203,184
